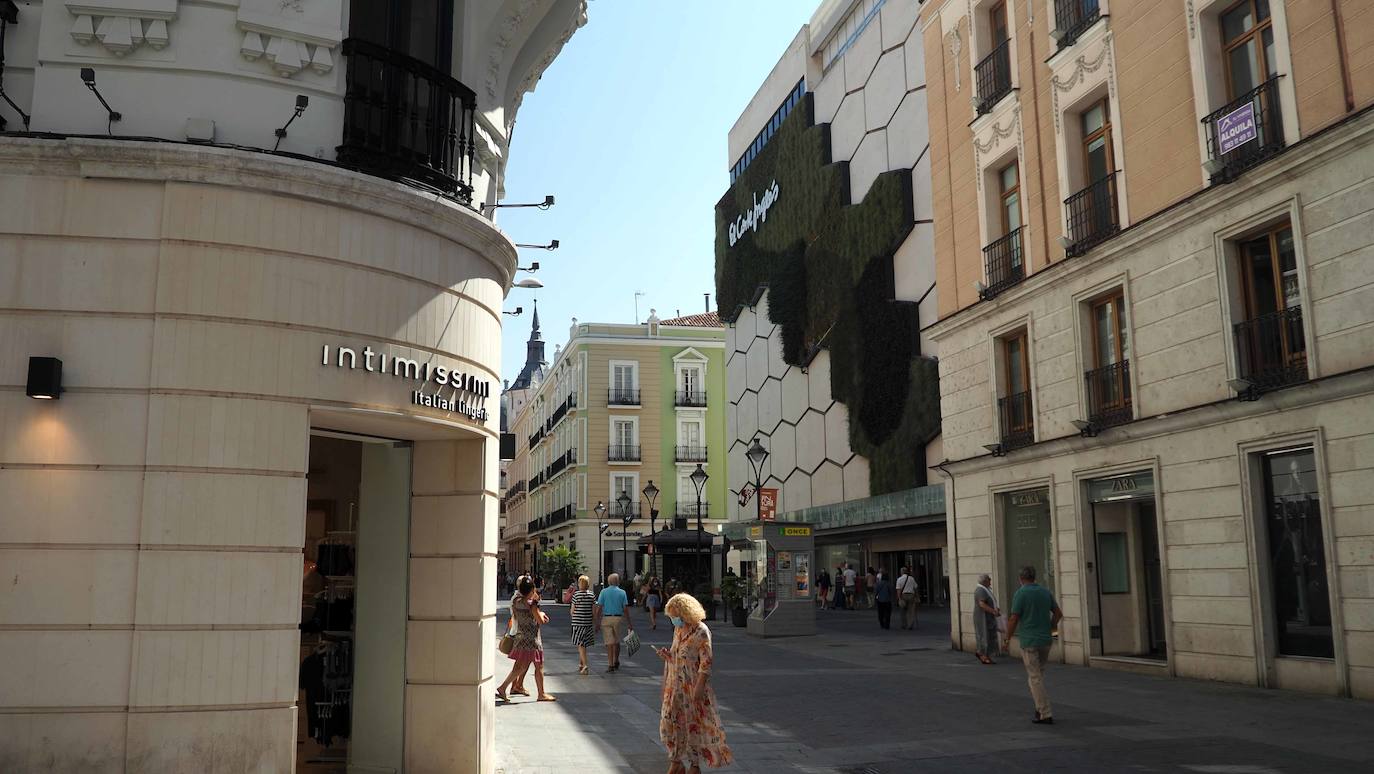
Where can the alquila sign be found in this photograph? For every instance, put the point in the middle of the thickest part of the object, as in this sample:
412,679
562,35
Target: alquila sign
750,219
466,390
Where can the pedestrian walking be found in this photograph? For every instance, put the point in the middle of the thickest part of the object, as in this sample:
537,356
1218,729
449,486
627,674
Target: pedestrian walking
689,723
850,582
823,588
985,613
612,618
882,598
583,633
1034,614
870,585
529,647
906,597
653,602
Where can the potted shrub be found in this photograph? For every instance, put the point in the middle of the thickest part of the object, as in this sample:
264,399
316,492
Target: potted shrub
703,593
732,591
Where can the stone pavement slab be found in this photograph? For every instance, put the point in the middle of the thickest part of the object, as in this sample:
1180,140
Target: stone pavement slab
855,699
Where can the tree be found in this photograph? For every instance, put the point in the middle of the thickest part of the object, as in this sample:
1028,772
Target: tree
563,565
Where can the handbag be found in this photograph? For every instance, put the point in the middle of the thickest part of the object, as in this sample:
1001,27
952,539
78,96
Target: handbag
507,643
631,644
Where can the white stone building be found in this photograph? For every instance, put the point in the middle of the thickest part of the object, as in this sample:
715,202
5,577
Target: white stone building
278,351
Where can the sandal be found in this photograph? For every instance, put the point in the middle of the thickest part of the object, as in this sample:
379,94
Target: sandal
502,696
519,692
984,659
548,697
583,670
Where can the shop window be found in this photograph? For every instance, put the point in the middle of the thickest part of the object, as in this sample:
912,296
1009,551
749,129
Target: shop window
1296,553
1271,349
1014,410
1027,538
1108,381
1113,563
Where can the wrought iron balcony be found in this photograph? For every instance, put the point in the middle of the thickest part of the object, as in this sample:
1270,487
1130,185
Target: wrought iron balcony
560,515
1073,18
537,480
690,454
993,77
1004,264
1109,394
1017,420
1092,216
695,398
622,454
407,121
689,508
622,397
536,437
1244,131
1271,350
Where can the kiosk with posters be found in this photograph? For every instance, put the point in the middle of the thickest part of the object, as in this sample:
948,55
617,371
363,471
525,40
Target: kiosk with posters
782,589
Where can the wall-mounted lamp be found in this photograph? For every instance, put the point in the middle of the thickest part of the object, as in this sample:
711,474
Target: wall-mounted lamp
1213,165
531,268
1085,428
529,282
302,102
997,449
1065,243
1244,389
9,14
88,78
552,245
518,311
45,378
544,205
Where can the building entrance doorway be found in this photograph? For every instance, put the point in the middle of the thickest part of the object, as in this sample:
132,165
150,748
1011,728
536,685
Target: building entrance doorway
1125,575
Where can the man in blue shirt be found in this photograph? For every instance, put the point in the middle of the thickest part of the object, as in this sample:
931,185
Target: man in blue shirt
612,607
1034,614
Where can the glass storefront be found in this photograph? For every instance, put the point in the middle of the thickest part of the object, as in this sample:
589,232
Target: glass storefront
1028,538
1297,555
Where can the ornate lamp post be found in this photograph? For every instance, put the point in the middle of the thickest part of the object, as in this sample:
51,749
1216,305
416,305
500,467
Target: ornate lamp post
600,553
651,494
699,480
625,518
757,456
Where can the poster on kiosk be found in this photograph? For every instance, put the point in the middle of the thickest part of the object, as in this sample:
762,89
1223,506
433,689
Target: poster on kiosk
783,597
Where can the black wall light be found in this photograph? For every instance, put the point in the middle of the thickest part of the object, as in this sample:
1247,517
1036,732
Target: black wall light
45,378
302,102
88,78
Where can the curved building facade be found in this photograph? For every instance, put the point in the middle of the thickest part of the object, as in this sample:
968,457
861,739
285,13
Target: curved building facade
256,529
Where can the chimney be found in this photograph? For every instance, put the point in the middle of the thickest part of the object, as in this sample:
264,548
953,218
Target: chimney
708,302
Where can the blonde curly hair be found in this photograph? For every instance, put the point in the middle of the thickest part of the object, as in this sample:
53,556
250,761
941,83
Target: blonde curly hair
686,607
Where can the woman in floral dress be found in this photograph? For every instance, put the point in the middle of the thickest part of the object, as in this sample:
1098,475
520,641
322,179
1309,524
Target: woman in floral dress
529,647
689,724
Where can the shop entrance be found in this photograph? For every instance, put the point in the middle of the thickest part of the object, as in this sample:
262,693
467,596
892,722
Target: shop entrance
1126,616
351,681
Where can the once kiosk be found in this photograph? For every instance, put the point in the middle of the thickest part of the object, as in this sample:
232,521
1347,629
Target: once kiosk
782,592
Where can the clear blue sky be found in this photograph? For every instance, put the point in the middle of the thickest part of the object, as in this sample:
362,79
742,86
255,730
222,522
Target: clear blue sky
628,129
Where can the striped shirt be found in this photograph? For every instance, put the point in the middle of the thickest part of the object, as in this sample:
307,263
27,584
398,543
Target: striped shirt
582,601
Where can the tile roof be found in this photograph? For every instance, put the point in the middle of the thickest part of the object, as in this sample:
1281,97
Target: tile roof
707,320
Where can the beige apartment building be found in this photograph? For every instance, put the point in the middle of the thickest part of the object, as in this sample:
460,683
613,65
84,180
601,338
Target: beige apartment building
1156,326
619,407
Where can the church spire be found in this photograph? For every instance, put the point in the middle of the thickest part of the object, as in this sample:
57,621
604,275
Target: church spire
535,364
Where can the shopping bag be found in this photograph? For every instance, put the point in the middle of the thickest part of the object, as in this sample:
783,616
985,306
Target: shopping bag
1002,624
507,643
631,644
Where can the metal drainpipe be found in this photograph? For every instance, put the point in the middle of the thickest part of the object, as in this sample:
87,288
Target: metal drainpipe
957,620
1341,56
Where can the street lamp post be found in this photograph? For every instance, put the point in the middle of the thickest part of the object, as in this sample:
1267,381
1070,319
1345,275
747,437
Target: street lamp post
600,553
757,456
651,494
625,518
699,480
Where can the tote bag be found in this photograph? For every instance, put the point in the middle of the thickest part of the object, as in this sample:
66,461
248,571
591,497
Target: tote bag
631,643
507,643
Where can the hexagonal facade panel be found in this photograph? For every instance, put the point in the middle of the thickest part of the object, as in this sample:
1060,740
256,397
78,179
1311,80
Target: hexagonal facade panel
747,416
909,133
827,484
782,449
856,478
763,326
870,160
777,367
810,441
818,379
758,362
744,329
884,90
770,405
736,376
915,62
796,491
731,423
837,433
729,339
848,127
862,56
796,395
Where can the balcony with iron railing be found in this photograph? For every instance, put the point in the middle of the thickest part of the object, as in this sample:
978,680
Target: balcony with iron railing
1092,216
622,453
1109,394
689,508
556,417
617,396
1016,419
560,515
690,454
537,480
406,120
992,77
1271,351
1244,132
1073,18
536,437
1004,263
690,398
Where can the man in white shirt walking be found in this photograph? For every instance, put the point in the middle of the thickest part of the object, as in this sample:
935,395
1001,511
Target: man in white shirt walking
849,580
906,597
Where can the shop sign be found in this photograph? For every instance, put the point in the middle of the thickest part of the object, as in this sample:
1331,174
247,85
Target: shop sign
1235,128
466,390
1029,498
750,219
1128,487
756,532
796,531
768,504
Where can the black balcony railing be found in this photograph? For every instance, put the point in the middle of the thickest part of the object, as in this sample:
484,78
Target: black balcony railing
1092,216
1003,261
557,416
1271,350
536,437
1244,131
690,454
622,454
617,396
1017,420
1073,18
405,120
1109,394
690,398
537,480
560,515
993,77
572,401
556,467
689,508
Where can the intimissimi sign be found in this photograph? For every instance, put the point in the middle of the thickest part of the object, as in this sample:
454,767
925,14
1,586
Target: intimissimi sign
467,389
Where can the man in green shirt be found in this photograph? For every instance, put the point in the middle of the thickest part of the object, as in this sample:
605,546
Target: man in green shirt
1034,614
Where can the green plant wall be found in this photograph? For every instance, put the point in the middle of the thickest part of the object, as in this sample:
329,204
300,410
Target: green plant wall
827,265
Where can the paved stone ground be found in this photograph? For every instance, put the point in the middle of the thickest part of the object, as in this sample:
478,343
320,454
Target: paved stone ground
859,700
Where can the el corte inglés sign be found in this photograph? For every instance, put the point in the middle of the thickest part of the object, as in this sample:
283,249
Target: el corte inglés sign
454,391
750,219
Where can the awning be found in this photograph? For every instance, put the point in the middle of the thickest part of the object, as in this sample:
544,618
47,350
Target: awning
682,541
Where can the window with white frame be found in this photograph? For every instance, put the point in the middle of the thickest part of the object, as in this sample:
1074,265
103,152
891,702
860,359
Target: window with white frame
624,383
1093,211
624,439
691,388
992,53
691,439
626,484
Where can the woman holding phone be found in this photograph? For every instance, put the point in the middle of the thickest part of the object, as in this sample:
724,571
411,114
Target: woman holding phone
689,724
